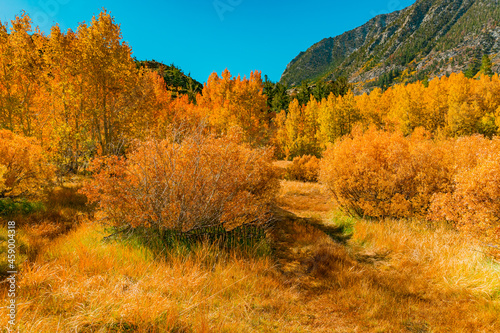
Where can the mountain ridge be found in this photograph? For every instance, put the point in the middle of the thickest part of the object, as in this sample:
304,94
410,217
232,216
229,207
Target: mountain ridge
427,39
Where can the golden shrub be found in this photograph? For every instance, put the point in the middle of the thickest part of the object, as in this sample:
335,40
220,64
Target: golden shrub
304,168
197,182
473,205
24,170
381,174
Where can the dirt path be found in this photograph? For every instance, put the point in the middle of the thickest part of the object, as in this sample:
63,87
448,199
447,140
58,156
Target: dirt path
306,199
294,240
348,289
308,251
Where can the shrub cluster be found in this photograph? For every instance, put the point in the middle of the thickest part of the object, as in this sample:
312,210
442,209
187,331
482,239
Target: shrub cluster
304,168
381,174
385,174
473,205
196,182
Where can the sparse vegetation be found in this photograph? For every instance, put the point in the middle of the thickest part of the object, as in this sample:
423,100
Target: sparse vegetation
378,52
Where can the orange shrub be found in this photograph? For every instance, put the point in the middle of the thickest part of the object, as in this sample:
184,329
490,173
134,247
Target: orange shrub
474,204
195,182
304,168
382,174
24,170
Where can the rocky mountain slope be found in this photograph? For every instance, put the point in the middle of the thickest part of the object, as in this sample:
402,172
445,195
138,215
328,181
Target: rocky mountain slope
429,38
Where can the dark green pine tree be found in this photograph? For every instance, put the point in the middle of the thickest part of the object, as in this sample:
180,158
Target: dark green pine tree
277,95
473,68
281,99
269,91
304,94
486,65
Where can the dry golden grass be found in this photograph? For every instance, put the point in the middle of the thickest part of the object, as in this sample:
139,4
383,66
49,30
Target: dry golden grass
282,164
393,279
61,210
305,199
454,262
86,285
391,276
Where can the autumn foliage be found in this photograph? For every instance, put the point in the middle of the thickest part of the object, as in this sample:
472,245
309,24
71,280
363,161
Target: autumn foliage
449,107
308,129
24,170
79,92
68,98
473,204
304,168
229,101
381,174
185,183
385,174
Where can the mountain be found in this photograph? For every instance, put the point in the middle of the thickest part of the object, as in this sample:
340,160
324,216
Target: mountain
427,39
177,82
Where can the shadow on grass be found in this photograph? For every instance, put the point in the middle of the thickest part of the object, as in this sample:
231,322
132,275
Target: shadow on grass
38,222
216,242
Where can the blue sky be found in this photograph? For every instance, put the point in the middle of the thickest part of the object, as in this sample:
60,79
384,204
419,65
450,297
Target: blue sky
203,36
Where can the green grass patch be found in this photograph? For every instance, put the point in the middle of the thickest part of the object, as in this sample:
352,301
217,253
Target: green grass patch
248,239
344,222
10,207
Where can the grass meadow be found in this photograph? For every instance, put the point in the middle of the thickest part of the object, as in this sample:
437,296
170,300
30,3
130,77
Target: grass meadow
385,276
